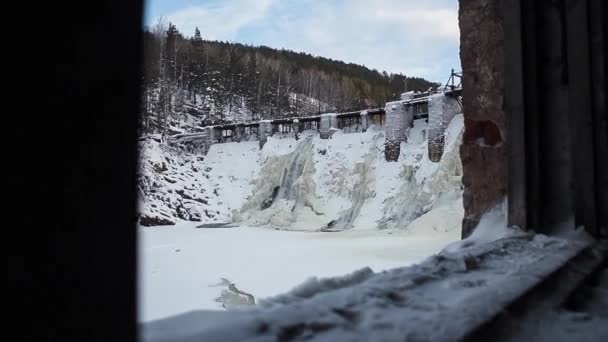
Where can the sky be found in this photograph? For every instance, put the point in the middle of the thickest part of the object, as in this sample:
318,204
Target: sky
418,38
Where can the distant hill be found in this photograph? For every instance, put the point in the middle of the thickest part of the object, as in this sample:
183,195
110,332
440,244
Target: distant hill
192,82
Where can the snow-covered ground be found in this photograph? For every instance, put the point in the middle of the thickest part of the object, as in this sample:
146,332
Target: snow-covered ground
381,214
180,264
332,242
441,298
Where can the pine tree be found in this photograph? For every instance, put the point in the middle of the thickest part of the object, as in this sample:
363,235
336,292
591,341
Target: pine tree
209,78
170,52
197,66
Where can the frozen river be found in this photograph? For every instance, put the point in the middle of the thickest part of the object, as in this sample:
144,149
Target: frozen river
179,265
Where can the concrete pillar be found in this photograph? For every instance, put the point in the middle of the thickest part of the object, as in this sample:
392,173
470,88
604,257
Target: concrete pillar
364,120
212,136
329,123
264,130
297,128
300,127
441,111
217,133
239,132
398,119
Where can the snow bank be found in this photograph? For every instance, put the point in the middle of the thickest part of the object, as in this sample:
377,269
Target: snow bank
176,185
440,299
345,182
425,185
179,268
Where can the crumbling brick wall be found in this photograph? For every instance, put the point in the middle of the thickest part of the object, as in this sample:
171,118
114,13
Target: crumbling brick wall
483,150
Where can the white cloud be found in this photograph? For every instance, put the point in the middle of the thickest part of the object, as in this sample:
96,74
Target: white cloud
412,37
440,24
222,20
418,38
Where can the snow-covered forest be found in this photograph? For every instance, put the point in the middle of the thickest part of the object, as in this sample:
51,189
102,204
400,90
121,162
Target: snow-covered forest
190,82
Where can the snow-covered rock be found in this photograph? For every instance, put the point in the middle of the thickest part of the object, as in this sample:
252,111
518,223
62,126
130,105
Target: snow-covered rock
304,184
177,185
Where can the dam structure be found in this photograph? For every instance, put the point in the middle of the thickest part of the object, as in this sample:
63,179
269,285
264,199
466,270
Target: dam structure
437,107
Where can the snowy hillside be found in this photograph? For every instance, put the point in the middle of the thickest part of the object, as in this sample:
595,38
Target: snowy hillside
307,184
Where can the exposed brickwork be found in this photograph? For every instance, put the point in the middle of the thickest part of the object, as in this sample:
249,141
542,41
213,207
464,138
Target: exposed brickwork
436,147
483,151
483,133
392,150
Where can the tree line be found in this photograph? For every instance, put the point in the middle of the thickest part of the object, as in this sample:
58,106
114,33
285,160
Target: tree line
190,81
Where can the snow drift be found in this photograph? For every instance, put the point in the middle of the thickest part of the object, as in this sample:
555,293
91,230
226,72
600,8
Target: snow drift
346,183
308,184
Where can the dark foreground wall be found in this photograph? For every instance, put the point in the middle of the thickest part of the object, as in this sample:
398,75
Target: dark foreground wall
534,97
85,200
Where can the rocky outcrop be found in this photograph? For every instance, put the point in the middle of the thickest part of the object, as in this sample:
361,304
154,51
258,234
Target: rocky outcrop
170,185
149,221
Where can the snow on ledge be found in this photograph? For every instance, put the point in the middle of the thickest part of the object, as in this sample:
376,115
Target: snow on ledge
440,299
491,227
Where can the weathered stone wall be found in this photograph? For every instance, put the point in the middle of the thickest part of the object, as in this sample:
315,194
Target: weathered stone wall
483,150
442,109
398,119
392,149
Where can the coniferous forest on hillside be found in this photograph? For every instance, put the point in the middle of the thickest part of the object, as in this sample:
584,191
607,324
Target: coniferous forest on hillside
190,82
